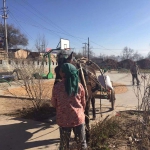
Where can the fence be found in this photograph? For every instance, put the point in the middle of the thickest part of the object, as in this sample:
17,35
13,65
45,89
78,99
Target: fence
10,64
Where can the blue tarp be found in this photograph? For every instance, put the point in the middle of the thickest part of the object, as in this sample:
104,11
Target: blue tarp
6,77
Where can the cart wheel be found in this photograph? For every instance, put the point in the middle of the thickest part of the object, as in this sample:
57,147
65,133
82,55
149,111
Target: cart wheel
112,104
112,100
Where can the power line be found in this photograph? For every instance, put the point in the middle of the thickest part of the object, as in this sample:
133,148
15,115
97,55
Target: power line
20,25
117,49
98,45
36,21
36,25
53,24
45,19
104,48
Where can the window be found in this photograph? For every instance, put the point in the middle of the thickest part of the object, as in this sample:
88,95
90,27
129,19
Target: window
9,61
0,61
23,62
46,63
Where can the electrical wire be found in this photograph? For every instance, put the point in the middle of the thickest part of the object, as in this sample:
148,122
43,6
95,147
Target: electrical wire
117,49
38,22
45,18
42,25
42,18
53,24
20,25
62,31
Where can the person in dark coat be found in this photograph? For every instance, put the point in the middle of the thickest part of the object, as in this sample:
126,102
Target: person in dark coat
62,58
135,72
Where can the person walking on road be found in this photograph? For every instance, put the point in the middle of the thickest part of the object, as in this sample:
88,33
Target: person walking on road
135,72
68,97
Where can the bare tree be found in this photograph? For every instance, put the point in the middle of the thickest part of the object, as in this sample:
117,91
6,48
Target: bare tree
127,53
102,56
148,55
15,37
78,55
85,52
113,57
29,77
41,43
137,56
91,53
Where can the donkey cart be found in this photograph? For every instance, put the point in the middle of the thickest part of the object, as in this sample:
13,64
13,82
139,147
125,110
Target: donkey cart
104,86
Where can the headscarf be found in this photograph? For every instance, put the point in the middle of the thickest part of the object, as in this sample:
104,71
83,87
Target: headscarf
71,78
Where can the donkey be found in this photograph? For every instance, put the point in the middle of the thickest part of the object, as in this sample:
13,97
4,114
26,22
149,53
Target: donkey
90,86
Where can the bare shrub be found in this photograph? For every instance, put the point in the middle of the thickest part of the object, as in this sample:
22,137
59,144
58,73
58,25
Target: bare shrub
102,131
31,81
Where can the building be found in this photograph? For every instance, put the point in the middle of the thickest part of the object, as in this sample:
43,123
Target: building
34,55
3,54
18,53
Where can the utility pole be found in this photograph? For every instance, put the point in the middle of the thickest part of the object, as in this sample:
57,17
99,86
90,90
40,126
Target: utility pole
88,49
4,16
85,49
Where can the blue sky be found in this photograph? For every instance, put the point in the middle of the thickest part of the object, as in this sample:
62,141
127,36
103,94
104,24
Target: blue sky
110,24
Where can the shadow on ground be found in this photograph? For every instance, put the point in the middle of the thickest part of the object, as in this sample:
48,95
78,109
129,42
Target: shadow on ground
103,110
17,137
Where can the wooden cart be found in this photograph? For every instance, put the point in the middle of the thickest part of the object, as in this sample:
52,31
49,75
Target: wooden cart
103,93
106,94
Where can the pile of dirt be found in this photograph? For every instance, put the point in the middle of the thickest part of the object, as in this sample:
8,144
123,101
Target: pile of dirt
120,88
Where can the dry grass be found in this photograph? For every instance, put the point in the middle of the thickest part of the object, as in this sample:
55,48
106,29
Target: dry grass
23,108
120,88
